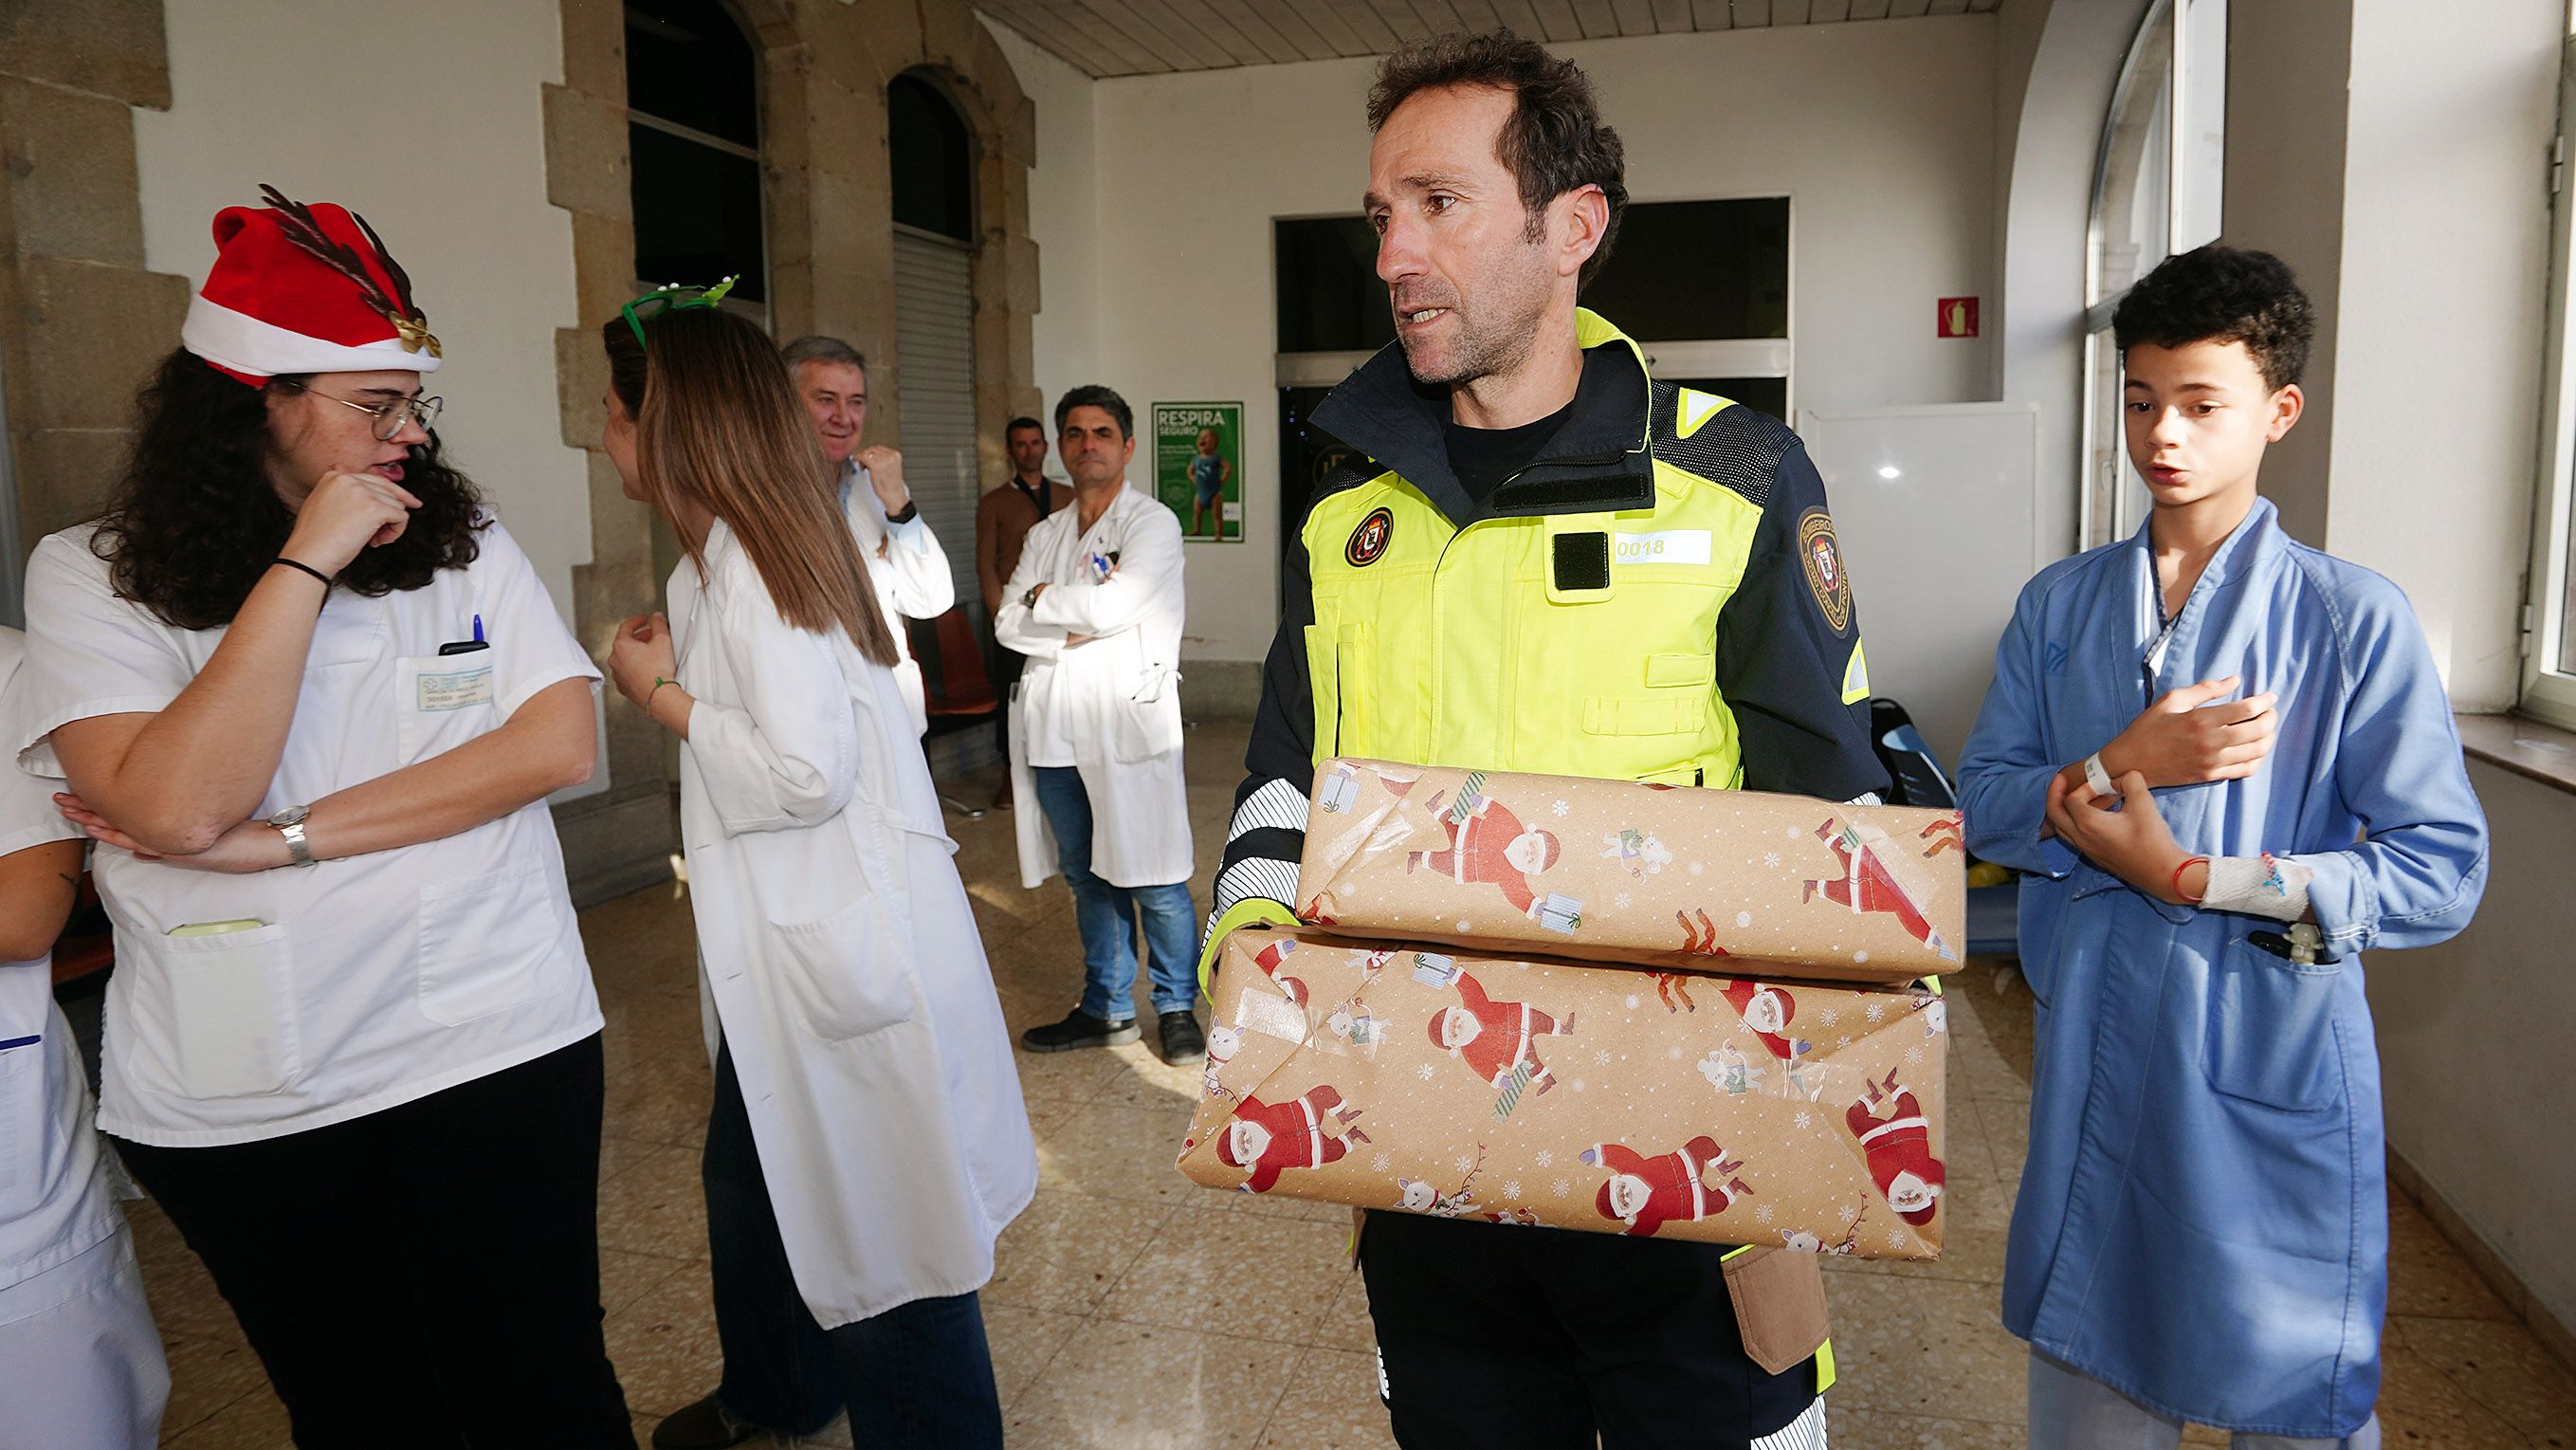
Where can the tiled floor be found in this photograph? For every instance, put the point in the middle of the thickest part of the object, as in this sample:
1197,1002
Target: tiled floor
1133,1311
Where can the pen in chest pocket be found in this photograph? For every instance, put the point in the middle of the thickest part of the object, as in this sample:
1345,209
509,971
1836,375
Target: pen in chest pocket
467,646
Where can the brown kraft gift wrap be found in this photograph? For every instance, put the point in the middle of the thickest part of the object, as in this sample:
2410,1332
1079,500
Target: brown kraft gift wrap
1619,872
1607,1099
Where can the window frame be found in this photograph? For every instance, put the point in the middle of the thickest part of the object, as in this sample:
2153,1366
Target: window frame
2548,693
755,311
2101,515
1748,357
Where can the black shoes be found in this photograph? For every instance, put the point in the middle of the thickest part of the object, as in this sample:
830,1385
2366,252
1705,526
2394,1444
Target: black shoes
1182,1041
703,1426
1079,1029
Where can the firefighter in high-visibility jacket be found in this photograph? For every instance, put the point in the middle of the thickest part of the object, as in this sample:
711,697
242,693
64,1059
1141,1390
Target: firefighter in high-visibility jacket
1551,562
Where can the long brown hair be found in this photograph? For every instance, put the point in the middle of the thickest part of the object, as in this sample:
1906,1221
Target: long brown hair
718,425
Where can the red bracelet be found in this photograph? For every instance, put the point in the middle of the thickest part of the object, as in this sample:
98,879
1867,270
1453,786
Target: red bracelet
2187,864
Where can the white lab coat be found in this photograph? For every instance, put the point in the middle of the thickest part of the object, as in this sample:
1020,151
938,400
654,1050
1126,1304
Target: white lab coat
838,957
910,572
1116,696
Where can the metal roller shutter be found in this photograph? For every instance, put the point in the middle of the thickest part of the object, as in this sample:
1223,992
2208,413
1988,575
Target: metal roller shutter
934,328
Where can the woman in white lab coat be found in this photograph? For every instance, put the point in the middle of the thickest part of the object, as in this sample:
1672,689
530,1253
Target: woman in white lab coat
80,1364
311,698
859,1045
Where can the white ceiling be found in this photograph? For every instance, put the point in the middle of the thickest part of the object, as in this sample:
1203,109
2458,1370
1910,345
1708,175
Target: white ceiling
1146,37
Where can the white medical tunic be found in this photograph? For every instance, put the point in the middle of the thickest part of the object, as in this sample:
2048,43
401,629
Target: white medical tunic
366,982
80,1364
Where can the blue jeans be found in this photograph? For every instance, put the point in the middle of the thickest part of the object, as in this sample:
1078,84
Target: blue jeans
1107,914
920,1375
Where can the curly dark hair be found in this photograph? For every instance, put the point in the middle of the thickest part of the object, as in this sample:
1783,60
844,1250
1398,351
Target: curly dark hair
2223,294
194,522
1554,142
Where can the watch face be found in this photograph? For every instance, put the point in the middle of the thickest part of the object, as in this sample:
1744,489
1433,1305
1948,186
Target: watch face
291,816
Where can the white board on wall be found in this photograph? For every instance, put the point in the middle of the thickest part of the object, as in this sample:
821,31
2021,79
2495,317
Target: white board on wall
1937,509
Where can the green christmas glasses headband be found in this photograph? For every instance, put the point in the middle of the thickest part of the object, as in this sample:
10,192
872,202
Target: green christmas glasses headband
673,298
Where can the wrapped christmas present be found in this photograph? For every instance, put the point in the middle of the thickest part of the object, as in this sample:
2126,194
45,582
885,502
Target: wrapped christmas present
1611,871
1679,1105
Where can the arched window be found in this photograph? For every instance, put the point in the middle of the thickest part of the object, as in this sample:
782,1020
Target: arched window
934,160
693,114
2156,191
933,157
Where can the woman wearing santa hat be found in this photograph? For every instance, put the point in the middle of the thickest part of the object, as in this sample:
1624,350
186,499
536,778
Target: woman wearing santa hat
311,699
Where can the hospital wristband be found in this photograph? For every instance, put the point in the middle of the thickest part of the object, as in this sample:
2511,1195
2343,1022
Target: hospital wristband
2098,776
2266,885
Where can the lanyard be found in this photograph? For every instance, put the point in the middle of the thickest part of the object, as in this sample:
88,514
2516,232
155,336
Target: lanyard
2155,657
1043,496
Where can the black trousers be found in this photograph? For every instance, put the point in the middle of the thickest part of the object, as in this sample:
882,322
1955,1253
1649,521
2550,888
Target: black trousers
425,1276
1002,665
1511,1338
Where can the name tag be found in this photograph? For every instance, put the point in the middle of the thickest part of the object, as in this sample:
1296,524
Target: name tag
1673,546
452,689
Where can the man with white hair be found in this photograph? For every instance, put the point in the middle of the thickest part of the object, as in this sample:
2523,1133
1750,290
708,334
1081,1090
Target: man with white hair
905,562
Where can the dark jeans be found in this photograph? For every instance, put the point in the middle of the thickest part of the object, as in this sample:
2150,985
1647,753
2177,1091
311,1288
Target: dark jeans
1107,916
1630,1340
424,1276
918,1375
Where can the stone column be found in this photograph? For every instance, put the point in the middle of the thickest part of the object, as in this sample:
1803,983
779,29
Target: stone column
82,322
621,838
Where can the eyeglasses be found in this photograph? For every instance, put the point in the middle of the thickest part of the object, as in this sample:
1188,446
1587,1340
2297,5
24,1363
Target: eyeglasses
673,298
393,414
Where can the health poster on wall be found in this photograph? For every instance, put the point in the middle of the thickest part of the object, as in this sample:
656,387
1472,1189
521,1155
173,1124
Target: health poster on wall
1198,468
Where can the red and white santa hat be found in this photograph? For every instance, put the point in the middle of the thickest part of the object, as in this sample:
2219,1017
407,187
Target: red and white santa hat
304,289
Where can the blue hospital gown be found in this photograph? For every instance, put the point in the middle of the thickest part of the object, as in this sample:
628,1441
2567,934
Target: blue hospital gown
2203,1220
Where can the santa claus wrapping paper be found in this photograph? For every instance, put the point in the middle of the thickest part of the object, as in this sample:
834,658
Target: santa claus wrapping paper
1674,1105
1617,872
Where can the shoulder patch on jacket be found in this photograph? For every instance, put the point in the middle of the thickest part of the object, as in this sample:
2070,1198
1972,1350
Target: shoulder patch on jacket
1737,446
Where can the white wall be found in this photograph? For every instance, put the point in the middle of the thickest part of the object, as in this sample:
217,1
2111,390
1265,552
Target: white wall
450,168
2444,286
1064,218
1881,133
2473,1045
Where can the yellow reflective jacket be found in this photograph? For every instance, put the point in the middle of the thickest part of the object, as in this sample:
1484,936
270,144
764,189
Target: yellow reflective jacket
1657,595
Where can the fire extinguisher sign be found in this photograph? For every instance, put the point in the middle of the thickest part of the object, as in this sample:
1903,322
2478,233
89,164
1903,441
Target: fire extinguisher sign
1958,317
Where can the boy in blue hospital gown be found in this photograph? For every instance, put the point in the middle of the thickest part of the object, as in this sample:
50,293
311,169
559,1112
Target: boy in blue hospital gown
2230,766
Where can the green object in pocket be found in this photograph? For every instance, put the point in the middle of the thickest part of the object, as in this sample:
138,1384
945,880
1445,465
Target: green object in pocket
217,928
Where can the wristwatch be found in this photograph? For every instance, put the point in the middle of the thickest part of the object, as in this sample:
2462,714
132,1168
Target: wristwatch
290,824
1030,599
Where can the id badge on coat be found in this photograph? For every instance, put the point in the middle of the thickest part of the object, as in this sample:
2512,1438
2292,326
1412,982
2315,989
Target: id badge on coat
441,701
